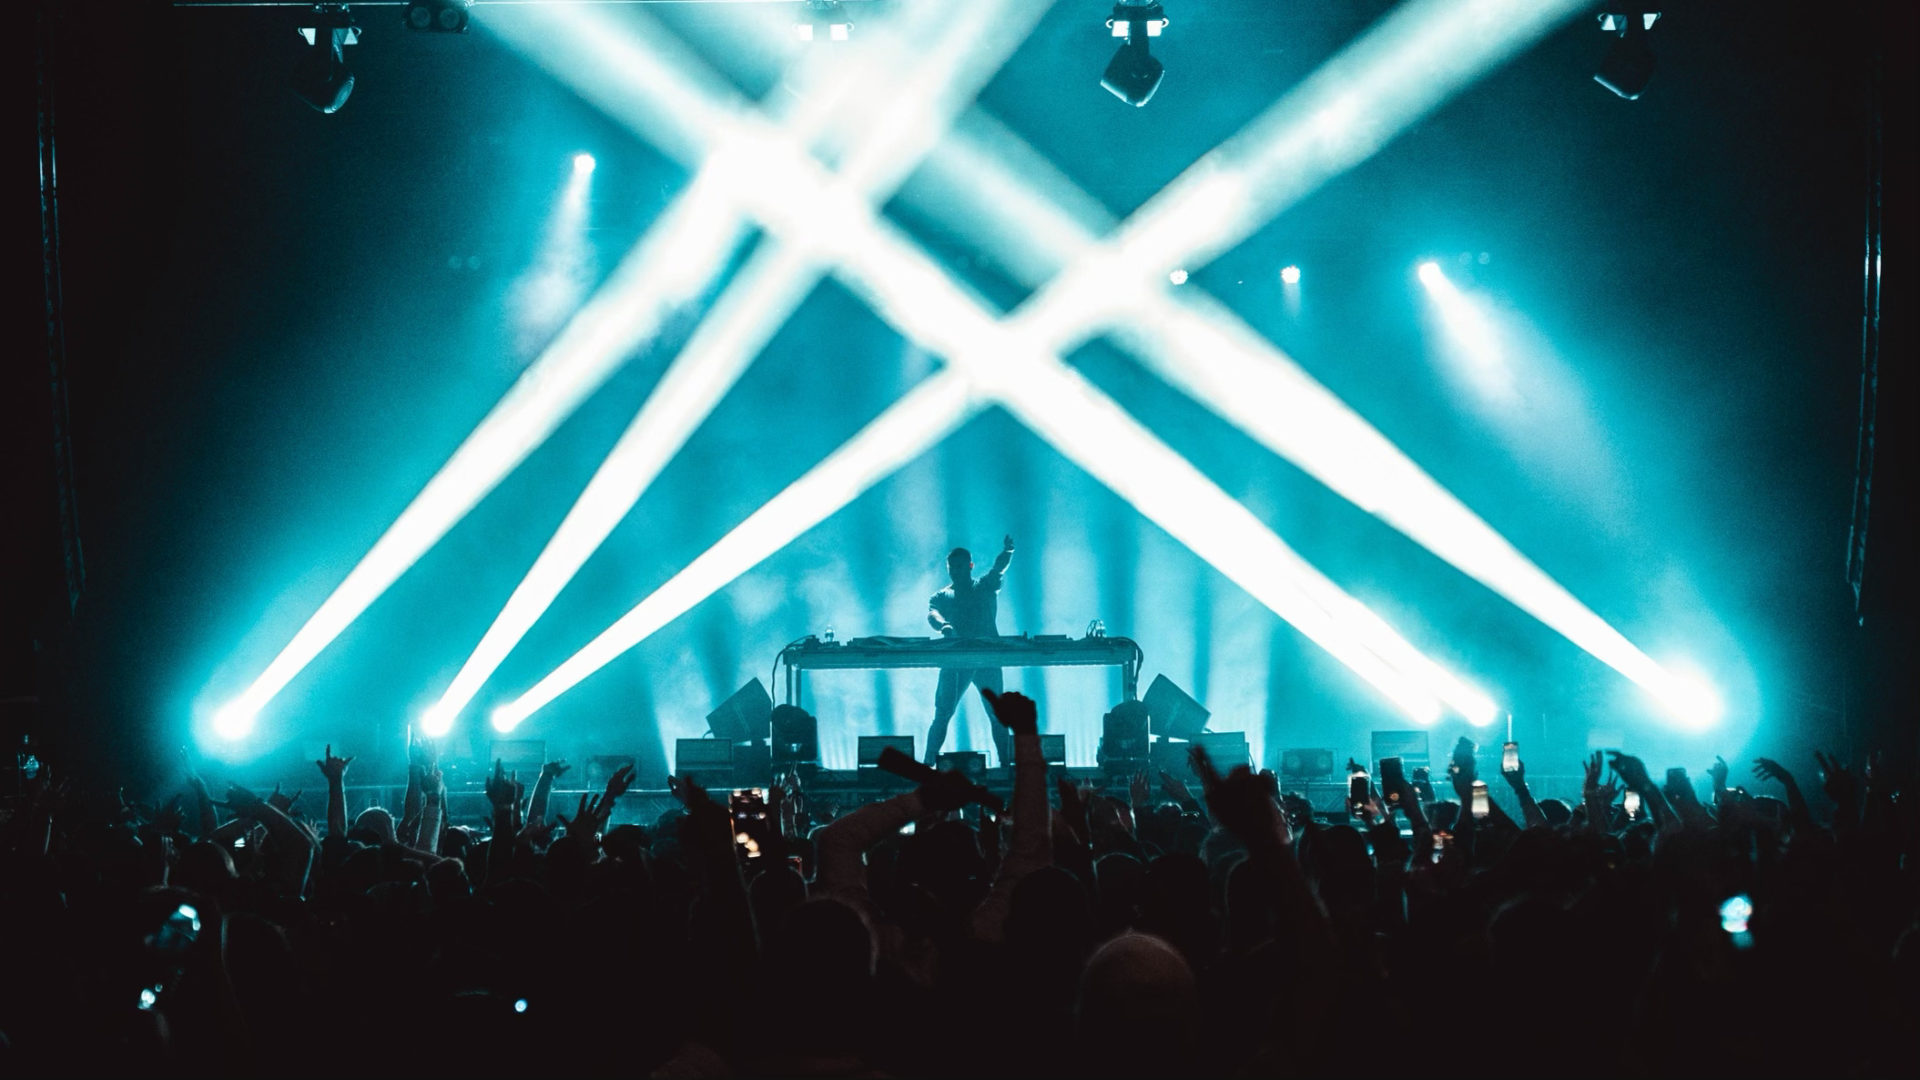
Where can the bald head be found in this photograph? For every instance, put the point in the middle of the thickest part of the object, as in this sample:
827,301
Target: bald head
1139,1010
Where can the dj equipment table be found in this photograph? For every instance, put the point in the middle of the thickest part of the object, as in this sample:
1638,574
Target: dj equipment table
876,653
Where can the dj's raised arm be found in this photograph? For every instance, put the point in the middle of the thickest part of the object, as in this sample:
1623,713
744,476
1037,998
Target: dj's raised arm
1000,563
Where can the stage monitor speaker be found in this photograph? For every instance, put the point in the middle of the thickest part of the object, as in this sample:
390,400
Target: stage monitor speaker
971,764
707,762
1226,748
1053,749
1411,747
752,765
600,767
1328,800
1306,764
744,717
524,756
1123,735
796,736
1175,713
871,745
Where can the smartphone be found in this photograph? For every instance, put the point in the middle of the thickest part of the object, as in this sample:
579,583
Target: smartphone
1481,806
1357,793
1632,804
1677,783
169,944
1510,757
750,831
1392,779
1734,916
1462,756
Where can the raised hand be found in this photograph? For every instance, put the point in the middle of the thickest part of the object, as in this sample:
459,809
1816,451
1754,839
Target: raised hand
590,818
1176,789
554,770
1718,772
1242,801
708,827
284,803
1015,711
617,785
245,803
694,797
1632,771
1769,769
1138,792
1837,780
503,788
540,833
333,768
1006,543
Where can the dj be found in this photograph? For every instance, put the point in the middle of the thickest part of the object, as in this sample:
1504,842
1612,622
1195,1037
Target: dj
967,609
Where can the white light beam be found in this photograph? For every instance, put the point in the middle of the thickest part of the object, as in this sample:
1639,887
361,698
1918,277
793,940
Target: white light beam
927,84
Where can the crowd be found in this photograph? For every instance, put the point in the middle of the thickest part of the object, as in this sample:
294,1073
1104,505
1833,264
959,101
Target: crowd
1154,928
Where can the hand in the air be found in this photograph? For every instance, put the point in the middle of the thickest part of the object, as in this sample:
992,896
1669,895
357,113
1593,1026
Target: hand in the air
1014,710
333,768
1006,543
1244,802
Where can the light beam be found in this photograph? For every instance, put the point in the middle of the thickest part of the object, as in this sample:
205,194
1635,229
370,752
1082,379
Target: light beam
928,84
680,254
799,203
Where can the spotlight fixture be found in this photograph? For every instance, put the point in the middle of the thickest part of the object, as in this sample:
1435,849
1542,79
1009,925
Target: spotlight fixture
438,16
1628,65
823,19
1134,74
321,76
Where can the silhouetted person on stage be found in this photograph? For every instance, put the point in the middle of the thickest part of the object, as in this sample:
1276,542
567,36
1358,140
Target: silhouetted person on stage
967,609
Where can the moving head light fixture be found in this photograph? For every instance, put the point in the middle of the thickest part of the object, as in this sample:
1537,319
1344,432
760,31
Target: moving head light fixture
1628,65
823,20
1134,74
439,16
321,77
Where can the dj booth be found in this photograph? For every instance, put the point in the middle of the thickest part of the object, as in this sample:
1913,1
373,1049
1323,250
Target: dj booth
1024,651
